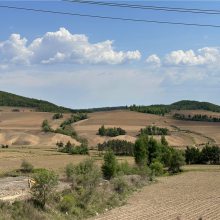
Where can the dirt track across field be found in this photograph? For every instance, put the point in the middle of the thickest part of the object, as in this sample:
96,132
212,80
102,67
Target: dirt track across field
188,196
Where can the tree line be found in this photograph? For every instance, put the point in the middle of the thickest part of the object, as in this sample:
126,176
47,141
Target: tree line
118,147
154,130
210,154
196,117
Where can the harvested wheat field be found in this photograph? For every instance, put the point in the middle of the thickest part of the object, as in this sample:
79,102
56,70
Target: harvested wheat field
188,196
132,122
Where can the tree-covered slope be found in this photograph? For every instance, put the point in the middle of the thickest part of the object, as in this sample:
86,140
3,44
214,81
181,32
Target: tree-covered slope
9,99
194,105
181,105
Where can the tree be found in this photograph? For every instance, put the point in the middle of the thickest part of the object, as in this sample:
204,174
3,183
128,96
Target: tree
177,160
192,155
102,131
140,150
109,168
45,182
164,141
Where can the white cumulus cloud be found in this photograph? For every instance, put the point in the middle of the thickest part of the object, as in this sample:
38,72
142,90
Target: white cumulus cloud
153,59
62,47
203,56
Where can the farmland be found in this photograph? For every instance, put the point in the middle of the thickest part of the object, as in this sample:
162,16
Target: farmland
189,196
22,132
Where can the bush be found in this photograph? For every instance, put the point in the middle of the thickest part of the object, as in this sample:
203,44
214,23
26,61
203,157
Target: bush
57,116
26,167
109,168
120,186
86,174
46,127
45,182
157,168
67,203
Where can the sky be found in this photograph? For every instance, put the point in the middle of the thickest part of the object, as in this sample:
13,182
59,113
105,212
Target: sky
82,62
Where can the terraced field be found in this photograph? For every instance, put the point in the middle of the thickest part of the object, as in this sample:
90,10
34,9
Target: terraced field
189,196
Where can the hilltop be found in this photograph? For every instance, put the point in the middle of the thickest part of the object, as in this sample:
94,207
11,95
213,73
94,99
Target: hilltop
180,105
12,100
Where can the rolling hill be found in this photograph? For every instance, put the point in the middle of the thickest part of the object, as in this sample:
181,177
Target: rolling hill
12,100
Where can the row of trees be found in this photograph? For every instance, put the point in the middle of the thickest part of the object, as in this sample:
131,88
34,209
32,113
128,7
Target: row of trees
72,149
153,130
74,118
207,155
111,132
196,117
118,147
153,109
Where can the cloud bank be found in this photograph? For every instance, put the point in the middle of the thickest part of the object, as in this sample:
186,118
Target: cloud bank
205,56
61,47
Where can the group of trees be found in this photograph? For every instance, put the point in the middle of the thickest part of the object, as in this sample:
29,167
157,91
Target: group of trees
196,117
207,155
111,132
74,118
119,147
57,116
152,109
153,130
72,149
148,151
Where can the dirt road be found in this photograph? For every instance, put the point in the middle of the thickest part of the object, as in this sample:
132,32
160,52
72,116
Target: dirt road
189,196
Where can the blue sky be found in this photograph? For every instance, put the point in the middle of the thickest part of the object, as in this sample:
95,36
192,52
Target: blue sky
84,62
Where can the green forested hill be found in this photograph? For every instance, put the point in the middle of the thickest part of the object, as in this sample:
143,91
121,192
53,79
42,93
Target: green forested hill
9,99
181,105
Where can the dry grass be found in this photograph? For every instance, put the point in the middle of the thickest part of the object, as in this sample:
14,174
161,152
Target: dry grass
189,196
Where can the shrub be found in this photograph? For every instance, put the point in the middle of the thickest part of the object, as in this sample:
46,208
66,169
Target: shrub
120,186
67,203
157,168
45,126
26,167
86,174
109,168
57,116
45,182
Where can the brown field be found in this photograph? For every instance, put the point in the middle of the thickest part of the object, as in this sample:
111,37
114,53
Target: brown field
22,131
188,196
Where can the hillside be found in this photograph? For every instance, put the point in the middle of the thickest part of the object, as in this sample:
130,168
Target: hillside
180,105
9,99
